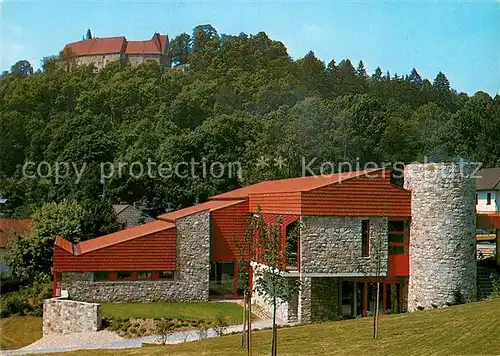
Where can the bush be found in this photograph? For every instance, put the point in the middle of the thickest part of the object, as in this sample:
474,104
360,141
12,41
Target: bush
496,287
27,301
220,324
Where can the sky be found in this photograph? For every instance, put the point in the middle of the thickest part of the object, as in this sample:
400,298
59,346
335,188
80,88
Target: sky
459,38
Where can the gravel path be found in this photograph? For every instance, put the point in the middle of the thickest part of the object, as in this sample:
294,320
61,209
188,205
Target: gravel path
109,340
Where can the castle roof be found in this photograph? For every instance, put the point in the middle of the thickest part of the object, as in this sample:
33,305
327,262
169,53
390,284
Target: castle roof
111,45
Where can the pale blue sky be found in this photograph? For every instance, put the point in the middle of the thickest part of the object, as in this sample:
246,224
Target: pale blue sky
459,38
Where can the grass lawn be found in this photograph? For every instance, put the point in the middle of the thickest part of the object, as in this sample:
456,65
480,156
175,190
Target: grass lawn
19,331
472,329
202,311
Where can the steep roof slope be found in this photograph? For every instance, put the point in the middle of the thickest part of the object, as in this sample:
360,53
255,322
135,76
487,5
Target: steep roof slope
488,179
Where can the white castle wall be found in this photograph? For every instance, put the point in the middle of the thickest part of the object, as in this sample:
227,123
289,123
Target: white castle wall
442,242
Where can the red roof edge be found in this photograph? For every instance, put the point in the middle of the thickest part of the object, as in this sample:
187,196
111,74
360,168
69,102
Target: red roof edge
64,244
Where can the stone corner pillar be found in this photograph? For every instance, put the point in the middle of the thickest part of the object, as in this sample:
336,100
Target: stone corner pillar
304,312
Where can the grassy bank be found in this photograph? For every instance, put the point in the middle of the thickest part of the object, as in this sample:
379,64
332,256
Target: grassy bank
472,329
201,311
19,331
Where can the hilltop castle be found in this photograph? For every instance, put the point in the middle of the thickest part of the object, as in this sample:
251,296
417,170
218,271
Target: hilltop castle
101,51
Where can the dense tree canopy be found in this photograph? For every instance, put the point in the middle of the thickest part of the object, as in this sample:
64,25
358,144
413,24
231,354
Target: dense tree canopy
243,100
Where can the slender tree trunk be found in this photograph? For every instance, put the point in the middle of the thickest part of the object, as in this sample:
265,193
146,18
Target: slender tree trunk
244,319
249,317
375,318
273,343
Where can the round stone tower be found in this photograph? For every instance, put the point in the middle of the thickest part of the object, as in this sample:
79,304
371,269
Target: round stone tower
442,234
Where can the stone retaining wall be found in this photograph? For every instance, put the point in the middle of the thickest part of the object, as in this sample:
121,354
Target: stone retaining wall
69,316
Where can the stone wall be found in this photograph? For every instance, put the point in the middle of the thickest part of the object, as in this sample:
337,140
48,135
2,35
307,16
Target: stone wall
333,245
286,312
325,303
191,278
442,234
99,61
68,316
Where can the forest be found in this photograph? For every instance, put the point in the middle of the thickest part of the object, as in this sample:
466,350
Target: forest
241,98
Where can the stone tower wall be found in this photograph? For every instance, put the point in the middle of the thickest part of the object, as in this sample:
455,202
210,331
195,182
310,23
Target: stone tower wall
442,234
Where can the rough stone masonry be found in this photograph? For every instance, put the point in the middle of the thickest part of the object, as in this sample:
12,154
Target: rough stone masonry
442,234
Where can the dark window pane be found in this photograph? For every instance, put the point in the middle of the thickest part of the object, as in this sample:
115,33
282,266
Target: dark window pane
144,275
396,226
166,275
100,276
396,238
365,238
398,250
123,275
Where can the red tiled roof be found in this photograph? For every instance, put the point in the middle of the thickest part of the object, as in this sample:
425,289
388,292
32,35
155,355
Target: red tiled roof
291,185
116,237
64,244
209,205
143,47
9,228
107,45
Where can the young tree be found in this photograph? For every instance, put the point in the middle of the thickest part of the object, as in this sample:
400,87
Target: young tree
441,82
88,35
264,245
361,70
377,75
415,78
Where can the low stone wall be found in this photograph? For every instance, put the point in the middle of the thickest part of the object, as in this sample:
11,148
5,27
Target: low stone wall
68,316
325,303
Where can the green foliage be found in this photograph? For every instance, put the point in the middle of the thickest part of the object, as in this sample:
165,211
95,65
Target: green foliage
31,254
495,291
22,68
28,301
244,97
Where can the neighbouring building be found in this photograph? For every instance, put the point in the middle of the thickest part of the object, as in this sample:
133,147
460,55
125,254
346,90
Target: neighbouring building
130,216
9,230
101,51
488,190
426,230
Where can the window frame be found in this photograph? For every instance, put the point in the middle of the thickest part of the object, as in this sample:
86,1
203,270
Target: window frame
488,198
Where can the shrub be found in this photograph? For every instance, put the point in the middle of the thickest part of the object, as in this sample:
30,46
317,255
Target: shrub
27,301
164,329
220,324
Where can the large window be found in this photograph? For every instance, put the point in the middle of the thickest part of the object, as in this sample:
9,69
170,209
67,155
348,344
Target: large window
222,279
365,238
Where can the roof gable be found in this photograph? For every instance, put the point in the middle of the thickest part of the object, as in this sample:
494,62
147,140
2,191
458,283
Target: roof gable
488,179
212,205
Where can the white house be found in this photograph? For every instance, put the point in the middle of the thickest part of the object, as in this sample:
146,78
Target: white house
488,190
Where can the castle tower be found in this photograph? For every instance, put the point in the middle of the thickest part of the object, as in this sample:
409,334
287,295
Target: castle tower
442,234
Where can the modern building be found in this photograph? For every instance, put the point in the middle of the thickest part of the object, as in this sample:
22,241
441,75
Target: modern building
354,229
9,230
101,51
488,190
